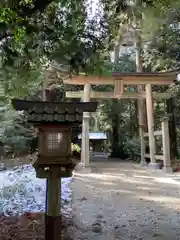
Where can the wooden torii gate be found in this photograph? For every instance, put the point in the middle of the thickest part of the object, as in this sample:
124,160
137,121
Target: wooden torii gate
119,80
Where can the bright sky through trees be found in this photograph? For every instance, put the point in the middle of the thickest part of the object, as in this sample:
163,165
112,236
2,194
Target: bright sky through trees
92,7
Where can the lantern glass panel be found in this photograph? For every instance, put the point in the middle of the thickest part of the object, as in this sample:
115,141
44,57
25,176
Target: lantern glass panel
54,140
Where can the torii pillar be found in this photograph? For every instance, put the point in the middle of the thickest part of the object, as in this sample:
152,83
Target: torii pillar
150,120
85,129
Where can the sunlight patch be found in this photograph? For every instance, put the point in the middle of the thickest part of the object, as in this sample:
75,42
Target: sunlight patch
167,180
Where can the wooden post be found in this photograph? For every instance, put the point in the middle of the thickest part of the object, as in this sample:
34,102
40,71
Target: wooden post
53,194
150,120
166,146
85,129
53,217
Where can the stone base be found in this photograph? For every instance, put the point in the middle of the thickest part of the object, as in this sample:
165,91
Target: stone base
168,169
143,164
86,170
81,168
154,165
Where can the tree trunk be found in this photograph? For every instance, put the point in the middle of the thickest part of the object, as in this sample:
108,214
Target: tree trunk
135,129
170,106
115,121
139,66
115,136
141,107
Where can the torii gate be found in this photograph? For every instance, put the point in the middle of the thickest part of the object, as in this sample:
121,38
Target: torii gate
119,80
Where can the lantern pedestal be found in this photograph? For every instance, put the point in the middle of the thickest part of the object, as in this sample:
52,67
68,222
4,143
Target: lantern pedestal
43,170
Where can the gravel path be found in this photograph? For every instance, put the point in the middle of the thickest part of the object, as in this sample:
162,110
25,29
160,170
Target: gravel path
121,201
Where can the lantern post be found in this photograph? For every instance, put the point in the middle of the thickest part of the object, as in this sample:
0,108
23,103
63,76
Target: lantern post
54,121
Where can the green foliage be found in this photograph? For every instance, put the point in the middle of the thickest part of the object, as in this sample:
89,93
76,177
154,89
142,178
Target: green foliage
164,53
15,132
132,147
19,82
35,34
75,148
58,30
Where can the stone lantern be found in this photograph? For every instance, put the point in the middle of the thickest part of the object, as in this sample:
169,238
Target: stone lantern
54,121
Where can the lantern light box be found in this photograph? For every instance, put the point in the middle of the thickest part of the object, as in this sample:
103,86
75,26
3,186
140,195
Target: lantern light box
54,121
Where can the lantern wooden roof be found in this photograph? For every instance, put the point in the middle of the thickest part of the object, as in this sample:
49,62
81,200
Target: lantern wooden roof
162,78
54,112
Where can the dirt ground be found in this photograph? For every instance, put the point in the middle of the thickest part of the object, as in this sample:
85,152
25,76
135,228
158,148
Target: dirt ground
123,201
10,163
